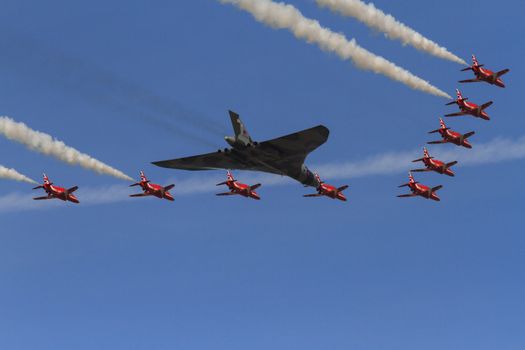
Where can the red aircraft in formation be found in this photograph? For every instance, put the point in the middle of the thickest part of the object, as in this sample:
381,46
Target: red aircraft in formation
450,136
238,188
152,189
436,165
420,190
57,192
327,190
483,74
469,108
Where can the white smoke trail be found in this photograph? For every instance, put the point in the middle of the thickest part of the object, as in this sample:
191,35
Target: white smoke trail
12,174
283,16
495,151
392,28
46,144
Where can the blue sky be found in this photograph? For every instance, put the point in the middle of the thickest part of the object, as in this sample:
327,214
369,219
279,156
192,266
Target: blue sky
120,80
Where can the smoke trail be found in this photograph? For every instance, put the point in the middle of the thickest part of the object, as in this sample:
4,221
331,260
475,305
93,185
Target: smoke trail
46,144
392,28
495,151
283,16
12,174
96,84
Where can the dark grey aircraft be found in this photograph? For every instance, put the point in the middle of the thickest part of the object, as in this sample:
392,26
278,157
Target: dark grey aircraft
283,156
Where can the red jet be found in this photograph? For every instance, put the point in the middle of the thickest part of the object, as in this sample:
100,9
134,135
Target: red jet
434,164
327,190
57,192
450,136
483,74
152,189
420,190
239,188
469,108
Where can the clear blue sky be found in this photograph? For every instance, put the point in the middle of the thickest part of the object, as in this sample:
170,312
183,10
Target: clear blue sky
285,272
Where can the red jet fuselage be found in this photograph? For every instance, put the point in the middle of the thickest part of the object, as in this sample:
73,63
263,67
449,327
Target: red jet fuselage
483,74
150,189
57,192
454,137
331,192
423,191
488,76
156,190
242,189
437,166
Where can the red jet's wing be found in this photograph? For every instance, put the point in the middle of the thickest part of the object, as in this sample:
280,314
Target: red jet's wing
312,195
420,170
256,186
455,114
470,81
140,195
407,195
42,198
501,72
225,194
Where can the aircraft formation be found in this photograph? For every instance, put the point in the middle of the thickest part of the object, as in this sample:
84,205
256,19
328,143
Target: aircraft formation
450,136
286,155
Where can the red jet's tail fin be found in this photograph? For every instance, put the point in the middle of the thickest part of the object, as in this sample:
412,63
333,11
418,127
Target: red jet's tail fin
425,153
229,176
318,178
143,177
475,62
410,180
46,180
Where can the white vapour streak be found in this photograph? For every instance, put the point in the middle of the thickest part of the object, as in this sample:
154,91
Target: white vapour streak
46,144
495,151
392,28
283,16
12,174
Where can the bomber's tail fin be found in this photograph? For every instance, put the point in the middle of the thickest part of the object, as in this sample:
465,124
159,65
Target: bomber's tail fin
241,133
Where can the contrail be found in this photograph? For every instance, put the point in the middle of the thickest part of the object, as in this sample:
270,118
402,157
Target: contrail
495,151
46,144
392,28
12,174
283,16
97,84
